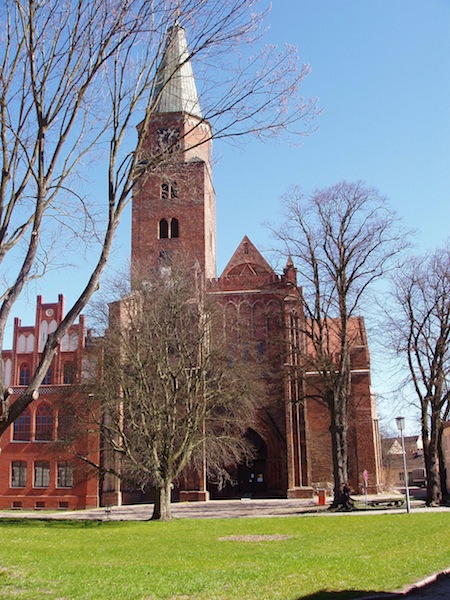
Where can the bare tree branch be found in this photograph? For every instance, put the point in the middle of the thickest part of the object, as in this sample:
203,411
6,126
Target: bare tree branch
77,78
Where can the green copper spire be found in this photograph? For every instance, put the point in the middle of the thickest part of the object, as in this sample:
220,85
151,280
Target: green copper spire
175,89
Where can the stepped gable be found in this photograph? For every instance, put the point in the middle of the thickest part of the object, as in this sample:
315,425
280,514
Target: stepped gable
246,270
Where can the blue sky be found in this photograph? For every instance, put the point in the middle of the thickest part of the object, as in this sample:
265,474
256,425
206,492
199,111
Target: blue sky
381,73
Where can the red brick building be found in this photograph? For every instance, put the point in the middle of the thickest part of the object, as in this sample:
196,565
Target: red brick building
37,469
173,214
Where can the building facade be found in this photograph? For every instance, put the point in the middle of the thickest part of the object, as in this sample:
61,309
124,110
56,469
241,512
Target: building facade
173,214
38,467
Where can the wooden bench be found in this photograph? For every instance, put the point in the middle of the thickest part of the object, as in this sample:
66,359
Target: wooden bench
386,502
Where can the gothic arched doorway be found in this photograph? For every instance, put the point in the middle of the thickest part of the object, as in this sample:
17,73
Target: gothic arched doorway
252,477
249,479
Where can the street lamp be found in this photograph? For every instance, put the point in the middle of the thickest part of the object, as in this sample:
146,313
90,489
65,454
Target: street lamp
401,427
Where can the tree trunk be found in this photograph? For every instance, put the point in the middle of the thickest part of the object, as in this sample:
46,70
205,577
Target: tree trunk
442,465
430,447
338,430
162,510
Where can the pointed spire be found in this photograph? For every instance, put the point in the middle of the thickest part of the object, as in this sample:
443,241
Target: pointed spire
175,89
290,272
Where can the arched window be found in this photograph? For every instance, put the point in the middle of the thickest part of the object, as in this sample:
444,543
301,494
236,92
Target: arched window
65,343
43,335
24,375
30,343
163,229
169,190
22,427
66,425
69,372
44,423
7,367
73,341
165,190
174,228
21,343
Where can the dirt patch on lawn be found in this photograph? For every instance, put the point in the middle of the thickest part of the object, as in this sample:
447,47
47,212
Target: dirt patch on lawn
255,538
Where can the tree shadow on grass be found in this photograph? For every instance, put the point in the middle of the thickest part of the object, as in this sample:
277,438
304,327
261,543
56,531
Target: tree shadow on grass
349,595
53,523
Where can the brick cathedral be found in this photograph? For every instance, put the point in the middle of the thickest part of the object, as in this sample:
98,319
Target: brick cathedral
173,213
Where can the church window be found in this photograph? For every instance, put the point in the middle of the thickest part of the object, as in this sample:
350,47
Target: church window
44,423
174,228
22,427
66,425
18,474
24,375
41,474
163,229
260,348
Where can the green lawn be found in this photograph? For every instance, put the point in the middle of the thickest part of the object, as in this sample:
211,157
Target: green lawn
185,559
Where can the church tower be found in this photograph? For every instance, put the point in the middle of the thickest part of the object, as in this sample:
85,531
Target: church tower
174,212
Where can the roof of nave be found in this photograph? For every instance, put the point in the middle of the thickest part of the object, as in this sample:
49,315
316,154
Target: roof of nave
175,89
357,339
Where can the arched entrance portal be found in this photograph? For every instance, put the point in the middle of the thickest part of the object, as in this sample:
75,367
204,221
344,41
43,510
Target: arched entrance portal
262,477
252,478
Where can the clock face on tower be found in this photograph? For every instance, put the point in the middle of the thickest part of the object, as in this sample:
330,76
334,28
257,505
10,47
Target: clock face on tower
168,139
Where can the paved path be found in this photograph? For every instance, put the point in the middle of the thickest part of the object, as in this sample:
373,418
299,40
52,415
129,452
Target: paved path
219,509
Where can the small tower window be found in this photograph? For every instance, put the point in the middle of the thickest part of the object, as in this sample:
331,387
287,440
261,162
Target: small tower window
168,140
169,190
163,229
174,228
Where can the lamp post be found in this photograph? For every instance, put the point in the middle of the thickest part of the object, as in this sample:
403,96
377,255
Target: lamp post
401,427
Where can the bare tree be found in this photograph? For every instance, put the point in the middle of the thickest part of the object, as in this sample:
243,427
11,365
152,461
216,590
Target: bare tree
76,79
343,238
171,391
420,326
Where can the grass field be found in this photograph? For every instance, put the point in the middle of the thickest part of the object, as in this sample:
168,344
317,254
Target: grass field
327,557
